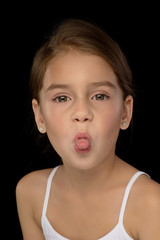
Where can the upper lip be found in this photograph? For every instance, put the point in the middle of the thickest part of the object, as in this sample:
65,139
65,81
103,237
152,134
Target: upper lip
82,136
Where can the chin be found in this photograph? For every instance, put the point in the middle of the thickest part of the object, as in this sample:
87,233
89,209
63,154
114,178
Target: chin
83,163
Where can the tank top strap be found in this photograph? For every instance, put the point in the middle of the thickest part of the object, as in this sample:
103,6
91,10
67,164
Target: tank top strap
49,181
126,194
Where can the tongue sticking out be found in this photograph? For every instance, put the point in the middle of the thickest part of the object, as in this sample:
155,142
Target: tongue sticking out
82,144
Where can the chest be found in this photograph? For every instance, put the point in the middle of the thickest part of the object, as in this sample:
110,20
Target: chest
88,217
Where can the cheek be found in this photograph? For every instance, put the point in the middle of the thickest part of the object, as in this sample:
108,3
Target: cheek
56,127
109,122
55,131
51,117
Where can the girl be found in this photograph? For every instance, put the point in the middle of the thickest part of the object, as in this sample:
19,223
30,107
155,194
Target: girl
82,96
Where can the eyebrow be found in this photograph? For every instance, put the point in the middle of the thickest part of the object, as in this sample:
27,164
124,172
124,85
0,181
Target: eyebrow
103,83
94,84
55,86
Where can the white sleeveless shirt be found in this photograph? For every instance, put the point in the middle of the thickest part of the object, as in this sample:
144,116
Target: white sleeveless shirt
117,233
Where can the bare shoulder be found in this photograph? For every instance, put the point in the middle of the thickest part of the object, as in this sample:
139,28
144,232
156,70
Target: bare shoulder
39,175
142,215
146,198
32,187
32,182
148,190
30,192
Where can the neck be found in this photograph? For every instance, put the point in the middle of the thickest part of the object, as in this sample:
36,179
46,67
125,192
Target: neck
92,179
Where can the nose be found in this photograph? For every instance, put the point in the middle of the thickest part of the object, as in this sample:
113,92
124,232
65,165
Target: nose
82,113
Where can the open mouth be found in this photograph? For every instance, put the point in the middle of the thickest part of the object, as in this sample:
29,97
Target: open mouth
82,143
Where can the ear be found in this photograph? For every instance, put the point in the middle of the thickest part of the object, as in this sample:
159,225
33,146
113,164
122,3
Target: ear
38,116
127,112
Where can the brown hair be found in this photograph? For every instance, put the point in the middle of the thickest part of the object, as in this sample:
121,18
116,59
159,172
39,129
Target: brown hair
85,37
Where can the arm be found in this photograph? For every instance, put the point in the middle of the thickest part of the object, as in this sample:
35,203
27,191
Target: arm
31,230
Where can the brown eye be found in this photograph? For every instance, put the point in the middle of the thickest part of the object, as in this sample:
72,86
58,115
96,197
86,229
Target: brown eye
100,97
62,99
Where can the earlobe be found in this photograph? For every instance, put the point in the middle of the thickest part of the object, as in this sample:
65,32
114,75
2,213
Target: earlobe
127,112
38,116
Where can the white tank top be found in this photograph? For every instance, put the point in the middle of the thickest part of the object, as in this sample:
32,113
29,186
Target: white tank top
117,233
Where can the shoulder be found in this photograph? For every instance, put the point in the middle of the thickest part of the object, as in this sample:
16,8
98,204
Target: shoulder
30,192
32,181
147,191
145,197
150,192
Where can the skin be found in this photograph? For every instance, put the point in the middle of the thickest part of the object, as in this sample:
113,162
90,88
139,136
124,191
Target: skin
80,94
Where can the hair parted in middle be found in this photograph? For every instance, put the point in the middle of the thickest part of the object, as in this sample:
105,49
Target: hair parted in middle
83,36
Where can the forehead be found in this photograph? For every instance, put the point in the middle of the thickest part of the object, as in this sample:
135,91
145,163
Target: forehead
77,67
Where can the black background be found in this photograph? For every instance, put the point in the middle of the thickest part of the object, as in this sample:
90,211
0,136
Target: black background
24,27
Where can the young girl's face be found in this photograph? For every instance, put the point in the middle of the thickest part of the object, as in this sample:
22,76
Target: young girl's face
82,109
